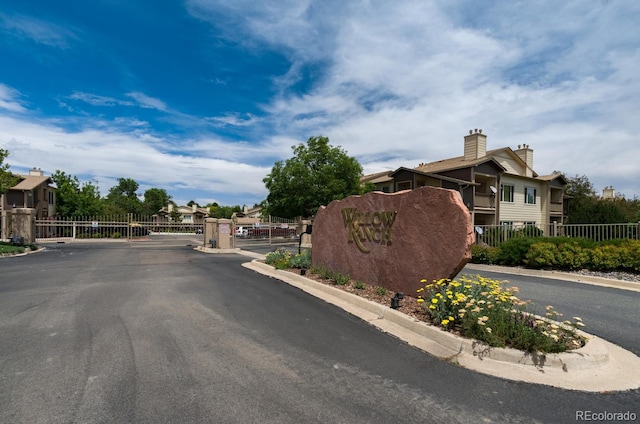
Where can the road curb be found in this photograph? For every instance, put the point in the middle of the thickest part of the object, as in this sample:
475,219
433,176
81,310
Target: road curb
558,275
596,367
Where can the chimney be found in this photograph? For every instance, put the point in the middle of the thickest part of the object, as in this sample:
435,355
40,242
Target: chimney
526,154
36,172
475,145
194,207
608,193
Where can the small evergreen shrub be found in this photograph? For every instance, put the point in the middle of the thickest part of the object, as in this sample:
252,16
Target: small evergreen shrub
340,279
279,258
484,254
513,252
301,260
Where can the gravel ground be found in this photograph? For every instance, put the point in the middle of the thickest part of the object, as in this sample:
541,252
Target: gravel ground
615,275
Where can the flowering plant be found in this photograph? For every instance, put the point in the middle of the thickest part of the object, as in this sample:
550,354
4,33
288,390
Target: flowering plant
488,311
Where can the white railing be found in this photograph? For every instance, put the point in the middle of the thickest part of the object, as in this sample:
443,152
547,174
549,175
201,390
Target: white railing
493,235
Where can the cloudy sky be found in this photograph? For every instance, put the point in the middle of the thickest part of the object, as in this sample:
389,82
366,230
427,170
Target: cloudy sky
201,97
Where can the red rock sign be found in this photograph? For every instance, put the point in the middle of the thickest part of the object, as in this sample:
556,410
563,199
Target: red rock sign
395,240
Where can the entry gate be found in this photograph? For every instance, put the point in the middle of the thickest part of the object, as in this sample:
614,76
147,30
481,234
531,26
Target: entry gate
110,228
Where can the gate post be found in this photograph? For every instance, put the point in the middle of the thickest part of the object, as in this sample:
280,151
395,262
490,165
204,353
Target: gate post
211,232
224,233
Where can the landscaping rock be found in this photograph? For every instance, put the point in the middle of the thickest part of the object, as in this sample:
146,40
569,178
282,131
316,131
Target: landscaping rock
394,240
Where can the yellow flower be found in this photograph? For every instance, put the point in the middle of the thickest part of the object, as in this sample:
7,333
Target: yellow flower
451,318
420,300
423,280
420,290
445,322
432,307
434,300
488,330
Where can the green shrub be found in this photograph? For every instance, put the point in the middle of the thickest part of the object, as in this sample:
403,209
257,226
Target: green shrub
116,235
359,285
279,258
541,255
323,272
484,254
381,291
572,256
606,258
630,255
340,279
513,252
301,260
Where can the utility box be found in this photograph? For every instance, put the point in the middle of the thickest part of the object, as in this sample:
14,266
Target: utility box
218,233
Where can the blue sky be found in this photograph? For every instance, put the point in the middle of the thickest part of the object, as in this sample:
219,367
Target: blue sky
201,97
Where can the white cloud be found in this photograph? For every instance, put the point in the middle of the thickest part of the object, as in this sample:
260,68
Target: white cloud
97,100
147,102
108,154
40,31
9,99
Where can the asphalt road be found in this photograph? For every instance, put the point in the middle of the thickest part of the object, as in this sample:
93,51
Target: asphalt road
155,332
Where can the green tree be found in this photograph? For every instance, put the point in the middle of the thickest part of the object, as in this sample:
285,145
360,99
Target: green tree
7,179
154,200
316,174
175,214
122,198
76,199
585,207
221,211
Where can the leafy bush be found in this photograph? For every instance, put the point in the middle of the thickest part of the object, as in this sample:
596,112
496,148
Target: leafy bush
513,252
381,291
279,258
359,285
340,279
484,254
323,272
572,256
301,260
541,255
606,258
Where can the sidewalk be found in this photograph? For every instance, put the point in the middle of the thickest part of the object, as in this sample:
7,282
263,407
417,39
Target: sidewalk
597,367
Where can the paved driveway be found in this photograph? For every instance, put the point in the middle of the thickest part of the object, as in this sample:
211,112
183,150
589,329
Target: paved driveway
152,332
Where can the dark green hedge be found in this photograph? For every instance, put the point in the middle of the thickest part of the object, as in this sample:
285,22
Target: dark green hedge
562,253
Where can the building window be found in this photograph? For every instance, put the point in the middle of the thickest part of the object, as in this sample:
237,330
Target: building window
51,198
403,185
530,195
385,189
508,224
506,193
530,224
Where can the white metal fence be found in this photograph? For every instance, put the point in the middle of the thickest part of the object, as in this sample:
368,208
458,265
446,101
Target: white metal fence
265,229
493,235
110,227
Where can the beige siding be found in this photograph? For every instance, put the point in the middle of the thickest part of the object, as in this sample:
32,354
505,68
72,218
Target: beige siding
520,212
509,163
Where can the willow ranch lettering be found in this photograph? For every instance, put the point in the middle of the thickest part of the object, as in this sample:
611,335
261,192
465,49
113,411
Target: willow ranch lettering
363,227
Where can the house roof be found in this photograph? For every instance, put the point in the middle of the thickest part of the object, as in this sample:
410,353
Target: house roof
185,210
30,182
378,177
437,176
459,162
552,177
